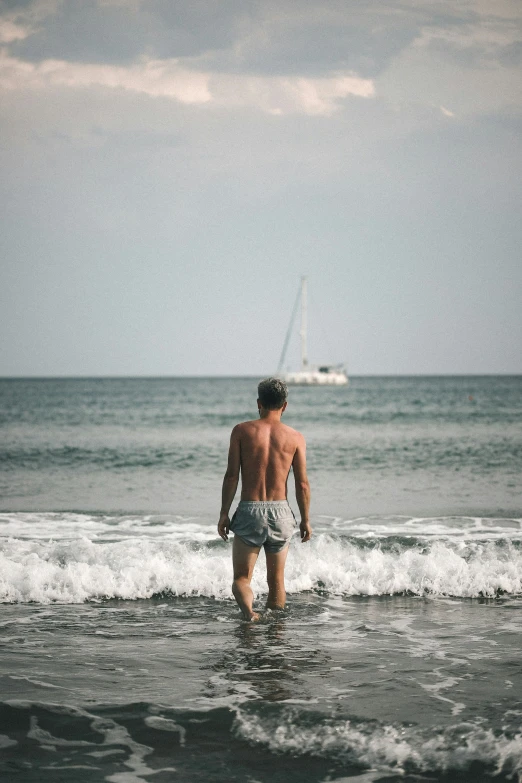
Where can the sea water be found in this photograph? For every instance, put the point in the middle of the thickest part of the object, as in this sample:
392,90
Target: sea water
123,656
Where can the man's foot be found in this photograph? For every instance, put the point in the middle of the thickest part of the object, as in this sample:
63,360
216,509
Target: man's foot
254,618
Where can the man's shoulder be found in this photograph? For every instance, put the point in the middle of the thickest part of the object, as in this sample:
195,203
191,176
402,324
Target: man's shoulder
243,426
245,431
295,434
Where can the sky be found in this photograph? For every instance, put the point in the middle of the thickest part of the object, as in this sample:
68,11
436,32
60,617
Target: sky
169,170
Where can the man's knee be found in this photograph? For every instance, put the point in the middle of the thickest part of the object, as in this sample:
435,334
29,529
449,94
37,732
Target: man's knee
242,576
241,580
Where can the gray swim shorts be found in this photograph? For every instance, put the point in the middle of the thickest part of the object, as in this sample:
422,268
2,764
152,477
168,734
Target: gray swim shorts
266,523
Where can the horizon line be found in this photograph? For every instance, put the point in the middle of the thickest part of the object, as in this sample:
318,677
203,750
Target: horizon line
251,376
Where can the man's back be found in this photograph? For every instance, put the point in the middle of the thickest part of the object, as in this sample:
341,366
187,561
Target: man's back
267,451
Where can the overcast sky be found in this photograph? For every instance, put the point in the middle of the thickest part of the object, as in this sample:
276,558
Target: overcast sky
170,169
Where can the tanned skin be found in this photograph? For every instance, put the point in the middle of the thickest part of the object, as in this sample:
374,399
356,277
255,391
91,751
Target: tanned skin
262,451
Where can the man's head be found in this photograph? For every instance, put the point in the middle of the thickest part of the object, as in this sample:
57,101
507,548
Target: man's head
272,394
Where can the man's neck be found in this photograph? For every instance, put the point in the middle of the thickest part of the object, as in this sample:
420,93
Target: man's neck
266,415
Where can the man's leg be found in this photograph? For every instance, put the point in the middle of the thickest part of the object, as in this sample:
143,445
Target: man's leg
275,577
244,559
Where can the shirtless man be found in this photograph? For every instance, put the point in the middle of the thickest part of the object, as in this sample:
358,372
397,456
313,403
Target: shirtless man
263,451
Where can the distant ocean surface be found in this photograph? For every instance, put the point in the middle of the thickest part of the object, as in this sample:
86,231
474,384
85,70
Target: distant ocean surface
123,656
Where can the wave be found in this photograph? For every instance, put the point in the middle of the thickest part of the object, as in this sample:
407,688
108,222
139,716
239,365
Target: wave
121,458
67,525
422,453
384,746
137,732
142,567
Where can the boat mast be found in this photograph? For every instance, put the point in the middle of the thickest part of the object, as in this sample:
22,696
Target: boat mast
289,332
304,357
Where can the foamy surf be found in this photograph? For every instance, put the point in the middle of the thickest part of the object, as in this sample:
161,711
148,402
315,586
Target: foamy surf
134,737
387,748
82,570
67,525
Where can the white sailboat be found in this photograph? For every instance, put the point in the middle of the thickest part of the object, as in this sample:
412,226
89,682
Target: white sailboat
323,375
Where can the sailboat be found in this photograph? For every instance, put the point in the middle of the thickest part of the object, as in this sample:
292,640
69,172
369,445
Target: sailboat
323,375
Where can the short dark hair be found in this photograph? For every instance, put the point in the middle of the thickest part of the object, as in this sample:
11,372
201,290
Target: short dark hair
272,393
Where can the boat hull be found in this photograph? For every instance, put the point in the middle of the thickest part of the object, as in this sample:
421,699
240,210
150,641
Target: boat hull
315,378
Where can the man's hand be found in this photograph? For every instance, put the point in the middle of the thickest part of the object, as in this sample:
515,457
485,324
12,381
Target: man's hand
306,532
224,526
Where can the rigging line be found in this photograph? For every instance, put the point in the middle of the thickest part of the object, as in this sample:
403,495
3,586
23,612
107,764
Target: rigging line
289,332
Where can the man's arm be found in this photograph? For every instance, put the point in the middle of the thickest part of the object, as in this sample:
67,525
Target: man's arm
302,489
230,482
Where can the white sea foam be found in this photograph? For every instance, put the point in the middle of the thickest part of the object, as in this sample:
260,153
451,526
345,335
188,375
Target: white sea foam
67,525
460,569
385,747
64,526
459,527
81,570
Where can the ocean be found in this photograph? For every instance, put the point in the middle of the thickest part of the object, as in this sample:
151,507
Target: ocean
123,655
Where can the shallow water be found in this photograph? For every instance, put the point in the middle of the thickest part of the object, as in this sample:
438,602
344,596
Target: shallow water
123,657
336,685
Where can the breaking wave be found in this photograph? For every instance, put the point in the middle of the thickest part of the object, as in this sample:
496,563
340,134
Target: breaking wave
385,746
82,570
140,737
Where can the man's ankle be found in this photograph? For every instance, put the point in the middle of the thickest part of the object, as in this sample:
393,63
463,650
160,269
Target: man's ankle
274,607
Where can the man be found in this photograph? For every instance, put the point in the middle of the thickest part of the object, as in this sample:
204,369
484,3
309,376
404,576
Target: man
263,451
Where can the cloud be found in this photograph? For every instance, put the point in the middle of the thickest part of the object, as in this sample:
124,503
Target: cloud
153,77
293,37
170,79
122,31
317,38
480,39
288,95
11,31
472,65
289,38
286,57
